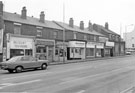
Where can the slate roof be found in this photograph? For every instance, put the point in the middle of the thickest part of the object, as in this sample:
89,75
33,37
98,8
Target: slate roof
108,31
30,20
77,29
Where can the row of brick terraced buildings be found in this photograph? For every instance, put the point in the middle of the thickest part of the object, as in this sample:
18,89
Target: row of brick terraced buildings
38,37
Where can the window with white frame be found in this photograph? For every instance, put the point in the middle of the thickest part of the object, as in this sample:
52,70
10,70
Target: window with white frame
17,28
39,31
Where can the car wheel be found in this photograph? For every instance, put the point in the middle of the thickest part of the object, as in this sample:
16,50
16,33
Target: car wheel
10,71
43,66
18,69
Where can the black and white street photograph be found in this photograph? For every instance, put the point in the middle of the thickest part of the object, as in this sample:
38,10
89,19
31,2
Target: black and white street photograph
67,46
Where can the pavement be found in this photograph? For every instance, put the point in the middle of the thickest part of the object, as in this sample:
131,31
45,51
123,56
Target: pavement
85,60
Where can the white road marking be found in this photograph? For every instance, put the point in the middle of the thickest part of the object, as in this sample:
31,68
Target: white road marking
82,91
21,83
128,90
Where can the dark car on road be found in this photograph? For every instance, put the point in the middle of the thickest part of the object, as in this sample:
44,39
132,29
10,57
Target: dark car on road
20,63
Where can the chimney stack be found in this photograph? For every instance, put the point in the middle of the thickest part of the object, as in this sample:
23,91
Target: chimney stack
1,8
106,26
24,13
81,25
90,26
1,16
42,17
71,22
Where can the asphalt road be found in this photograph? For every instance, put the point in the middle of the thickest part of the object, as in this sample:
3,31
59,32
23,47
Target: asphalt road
102,76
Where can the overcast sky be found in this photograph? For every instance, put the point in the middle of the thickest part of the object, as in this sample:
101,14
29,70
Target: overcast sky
115,12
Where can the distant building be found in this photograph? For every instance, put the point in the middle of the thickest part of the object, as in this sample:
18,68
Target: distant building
129,38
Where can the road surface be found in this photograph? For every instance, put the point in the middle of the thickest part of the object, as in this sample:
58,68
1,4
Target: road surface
101,76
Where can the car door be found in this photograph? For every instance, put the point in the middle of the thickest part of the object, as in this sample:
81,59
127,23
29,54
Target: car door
25,62
34,62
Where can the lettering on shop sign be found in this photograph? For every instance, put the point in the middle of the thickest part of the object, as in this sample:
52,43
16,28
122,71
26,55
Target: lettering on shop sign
21,46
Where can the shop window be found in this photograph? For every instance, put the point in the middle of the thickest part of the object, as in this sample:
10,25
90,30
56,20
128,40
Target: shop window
17,28
55,34
39,32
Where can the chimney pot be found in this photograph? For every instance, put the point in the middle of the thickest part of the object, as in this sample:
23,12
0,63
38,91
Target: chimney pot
106,25
24,13
81,25
1,8
42,17
90,26
71,22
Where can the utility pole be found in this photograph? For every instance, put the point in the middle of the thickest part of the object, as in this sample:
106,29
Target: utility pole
63,33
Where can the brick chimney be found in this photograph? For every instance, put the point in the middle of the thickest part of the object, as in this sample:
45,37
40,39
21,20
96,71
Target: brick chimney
1,16
1,8
24,13
81,25
90,26
42,17
106,25
71,22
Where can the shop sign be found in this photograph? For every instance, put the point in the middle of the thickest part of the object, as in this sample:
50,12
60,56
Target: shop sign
43,42
76,44
90,45
103,39
61,43
21,43
1,40
99,45
111,44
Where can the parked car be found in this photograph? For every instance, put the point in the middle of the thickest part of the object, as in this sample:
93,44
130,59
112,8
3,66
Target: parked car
20,63
128,53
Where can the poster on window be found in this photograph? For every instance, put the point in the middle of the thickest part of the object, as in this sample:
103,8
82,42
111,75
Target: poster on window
1,40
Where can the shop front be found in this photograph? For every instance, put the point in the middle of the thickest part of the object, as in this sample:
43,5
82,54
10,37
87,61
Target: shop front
99,49
19,45
61,51
45,49
109,48
90,49
76,50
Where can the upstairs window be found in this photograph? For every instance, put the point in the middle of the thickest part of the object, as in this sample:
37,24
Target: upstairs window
85,37
55,34
39,31
17,28
75,35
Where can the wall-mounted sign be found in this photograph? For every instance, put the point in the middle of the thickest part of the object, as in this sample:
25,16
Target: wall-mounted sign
76,44
99,45
1,40
111,44
103,39
21,43
90,44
